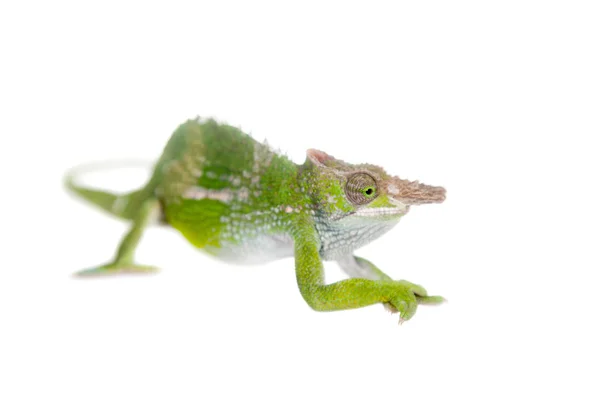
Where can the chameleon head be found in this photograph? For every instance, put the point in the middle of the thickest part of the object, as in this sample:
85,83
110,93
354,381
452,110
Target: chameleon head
364,191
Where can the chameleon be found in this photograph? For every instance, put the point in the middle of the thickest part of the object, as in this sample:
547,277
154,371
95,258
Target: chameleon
237,199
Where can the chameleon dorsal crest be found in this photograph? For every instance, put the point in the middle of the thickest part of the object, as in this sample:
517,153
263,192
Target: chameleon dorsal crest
318,157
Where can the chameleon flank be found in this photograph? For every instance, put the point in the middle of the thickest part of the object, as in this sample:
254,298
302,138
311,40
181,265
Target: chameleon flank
240,201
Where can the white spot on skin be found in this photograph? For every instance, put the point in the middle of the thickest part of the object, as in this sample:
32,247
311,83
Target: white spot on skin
221,195
243,194
119,204
195,193
393,189
198,193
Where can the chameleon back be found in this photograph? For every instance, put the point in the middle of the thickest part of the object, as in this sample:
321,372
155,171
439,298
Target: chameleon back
223,191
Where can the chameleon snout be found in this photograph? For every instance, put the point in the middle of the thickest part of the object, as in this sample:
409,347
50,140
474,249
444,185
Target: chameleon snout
415,193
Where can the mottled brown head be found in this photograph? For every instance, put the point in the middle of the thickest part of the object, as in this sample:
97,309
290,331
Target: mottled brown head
365,189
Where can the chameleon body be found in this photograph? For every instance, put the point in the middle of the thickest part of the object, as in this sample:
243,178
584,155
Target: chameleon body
238,200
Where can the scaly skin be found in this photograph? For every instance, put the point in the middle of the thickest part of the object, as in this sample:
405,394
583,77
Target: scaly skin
238,200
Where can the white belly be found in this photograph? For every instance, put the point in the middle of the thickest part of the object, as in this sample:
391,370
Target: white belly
257,250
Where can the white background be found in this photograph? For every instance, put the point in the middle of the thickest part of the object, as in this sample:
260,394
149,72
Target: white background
496,101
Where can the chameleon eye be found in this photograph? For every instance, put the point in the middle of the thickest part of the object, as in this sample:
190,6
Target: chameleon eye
361,188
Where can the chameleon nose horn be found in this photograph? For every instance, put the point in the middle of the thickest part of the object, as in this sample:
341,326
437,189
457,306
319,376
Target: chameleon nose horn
414,192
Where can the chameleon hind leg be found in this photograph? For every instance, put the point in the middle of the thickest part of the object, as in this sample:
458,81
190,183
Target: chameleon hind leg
123,262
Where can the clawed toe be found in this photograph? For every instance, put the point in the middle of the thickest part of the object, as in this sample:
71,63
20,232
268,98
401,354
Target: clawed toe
431,300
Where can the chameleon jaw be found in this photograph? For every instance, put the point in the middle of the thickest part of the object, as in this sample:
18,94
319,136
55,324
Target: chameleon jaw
399,210
373,212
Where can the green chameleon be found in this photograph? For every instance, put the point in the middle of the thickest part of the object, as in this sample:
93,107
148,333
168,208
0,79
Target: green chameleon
240,201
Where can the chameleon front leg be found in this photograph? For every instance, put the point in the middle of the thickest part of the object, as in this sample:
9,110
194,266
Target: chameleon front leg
123,261
349,293
361,268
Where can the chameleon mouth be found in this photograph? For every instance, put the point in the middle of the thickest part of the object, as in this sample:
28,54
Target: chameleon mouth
383,211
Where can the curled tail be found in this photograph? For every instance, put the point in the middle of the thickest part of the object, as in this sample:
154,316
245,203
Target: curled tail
123,206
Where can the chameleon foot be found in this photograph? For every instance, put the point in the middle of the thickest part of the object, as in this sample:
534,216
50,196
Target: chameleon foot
407,297
116,269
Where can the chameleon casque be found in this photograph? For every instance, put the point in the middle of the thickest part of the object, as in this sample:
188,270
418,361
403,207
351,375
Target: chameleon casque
240,201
